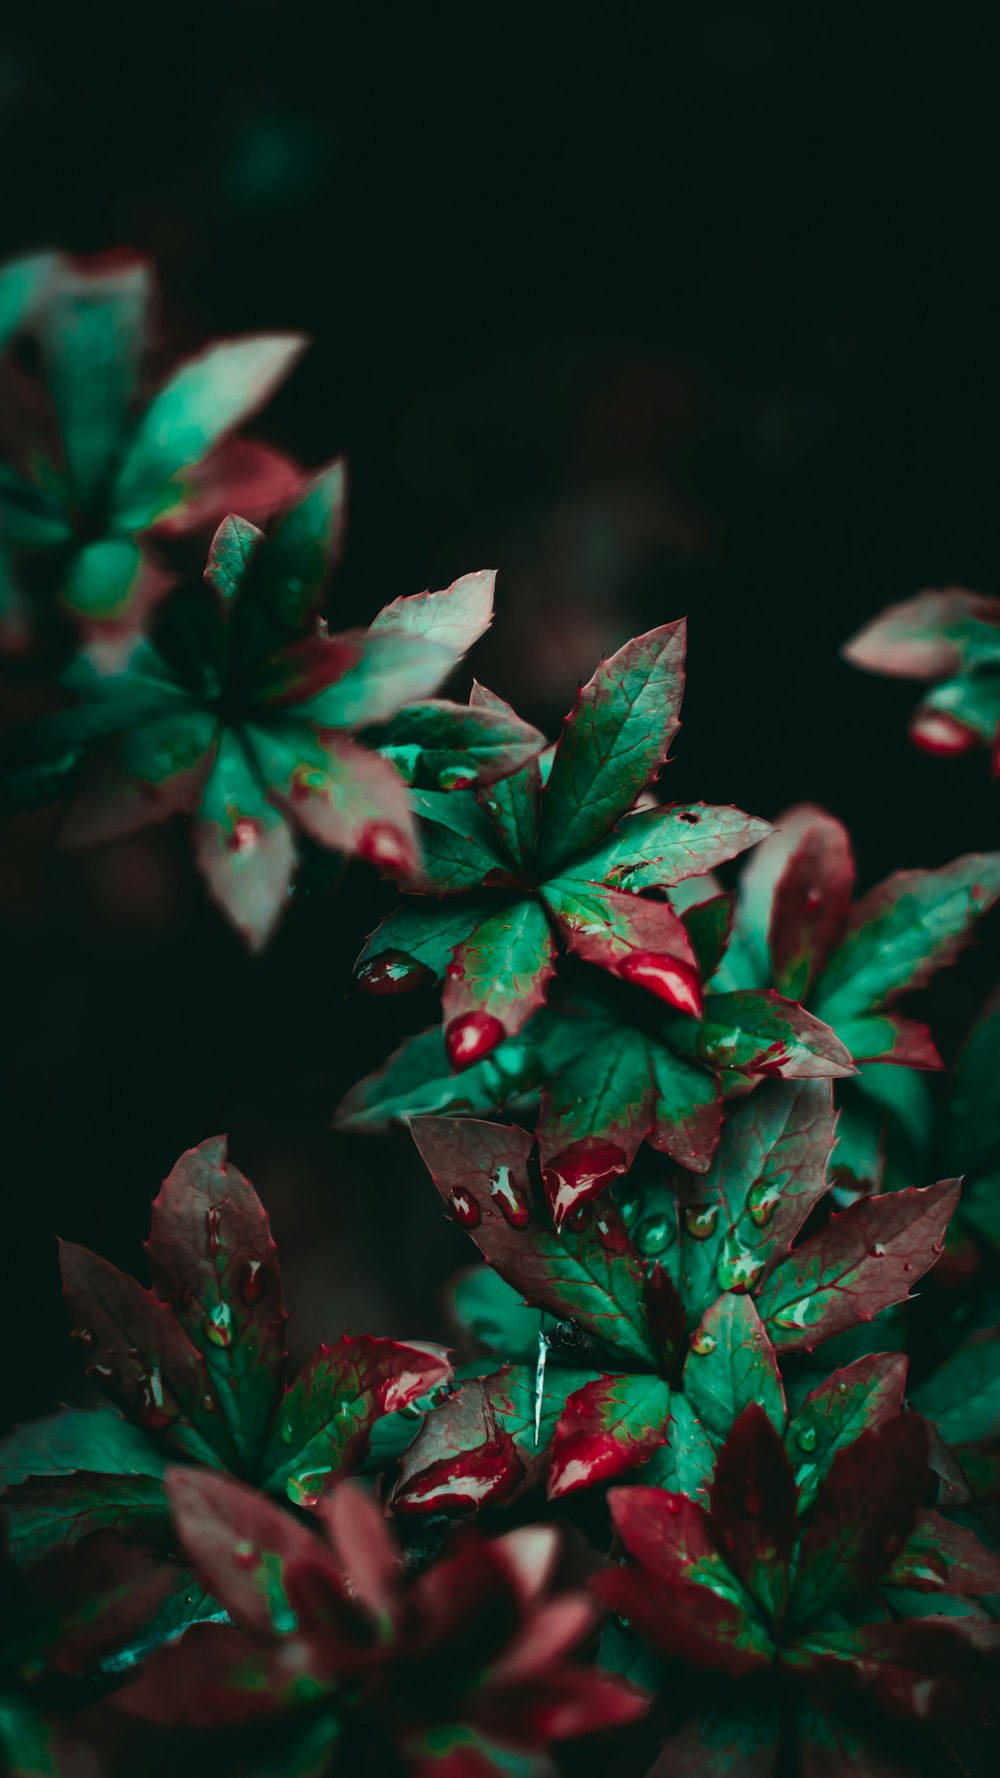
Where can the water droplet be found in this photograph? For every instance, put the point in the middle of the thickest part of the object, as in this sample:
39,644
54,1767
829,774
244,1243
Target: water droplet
393,972
87,1339
245,836
212,1225
701,1220
385,847
653,1235
151,1407
469,1038
288,1431
763,1199
464,1209
794,1314
703,1345
739,1270
935,731
841,1388
876,1250
218,1325
208,1404
772,1060
813,899
450,778
669,978
511,1199
253,1281
610,1232
306,1488
580,1172
244,1554
807,1439
580,1218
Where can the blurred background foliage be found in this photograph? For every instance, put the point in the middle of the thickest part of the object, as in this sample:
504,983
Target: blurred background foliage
693,314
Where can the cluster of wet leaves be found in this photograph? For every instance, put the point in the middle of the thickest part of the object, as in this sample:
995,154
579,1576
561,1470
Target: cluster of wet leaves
701,1233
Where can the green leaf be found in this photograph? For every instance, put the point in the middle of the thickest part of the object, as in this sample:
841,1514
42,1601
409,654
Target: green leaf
939,1557
93,338
458,845
972,1120
748,962
417,1080
154,771
687,1114
731,1363
641,940
723,1741
708,925
78,1438
962,1396
595,1113
494,1314
857,1399
212,1258
513,804
903,931
292,570
501,970
612,744
198,406
972,699
608,1427
233,549
862,1262
660,847
414,944
242,845
759,1032
451,746
342,794
110,580
589,1273
768,1173
54,1512
685,1462
926,637
325,1417
389,670
453,619
23,284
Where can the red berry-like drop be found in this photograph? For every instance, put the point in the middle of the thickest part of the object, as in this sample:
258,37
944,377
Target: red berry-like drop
385,847
669,978
579,1172
469,1038
394,972
935,731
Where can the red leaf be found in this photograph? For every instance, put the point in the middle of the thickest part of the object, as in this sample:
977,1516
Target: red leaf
810,904
460,1460
140,1356
864,1511
753,1504
216,1676
607,1427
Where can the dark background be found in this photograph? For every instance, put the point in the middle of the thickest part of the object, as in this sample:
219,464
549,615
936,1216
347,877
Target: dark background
698,314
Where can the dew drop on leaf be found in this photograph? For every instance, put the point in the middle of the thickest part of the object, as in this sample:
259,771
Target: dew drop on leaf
512,1201
218,1325
212,1226
87,1339
936,731
703,1345
393,972
807,1439
306,1488
245,836
469,1038
876,1250
611,1234
762,1201
669,978
464,1208
653,1235
253,1281
244,1554
384,846
700,1220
